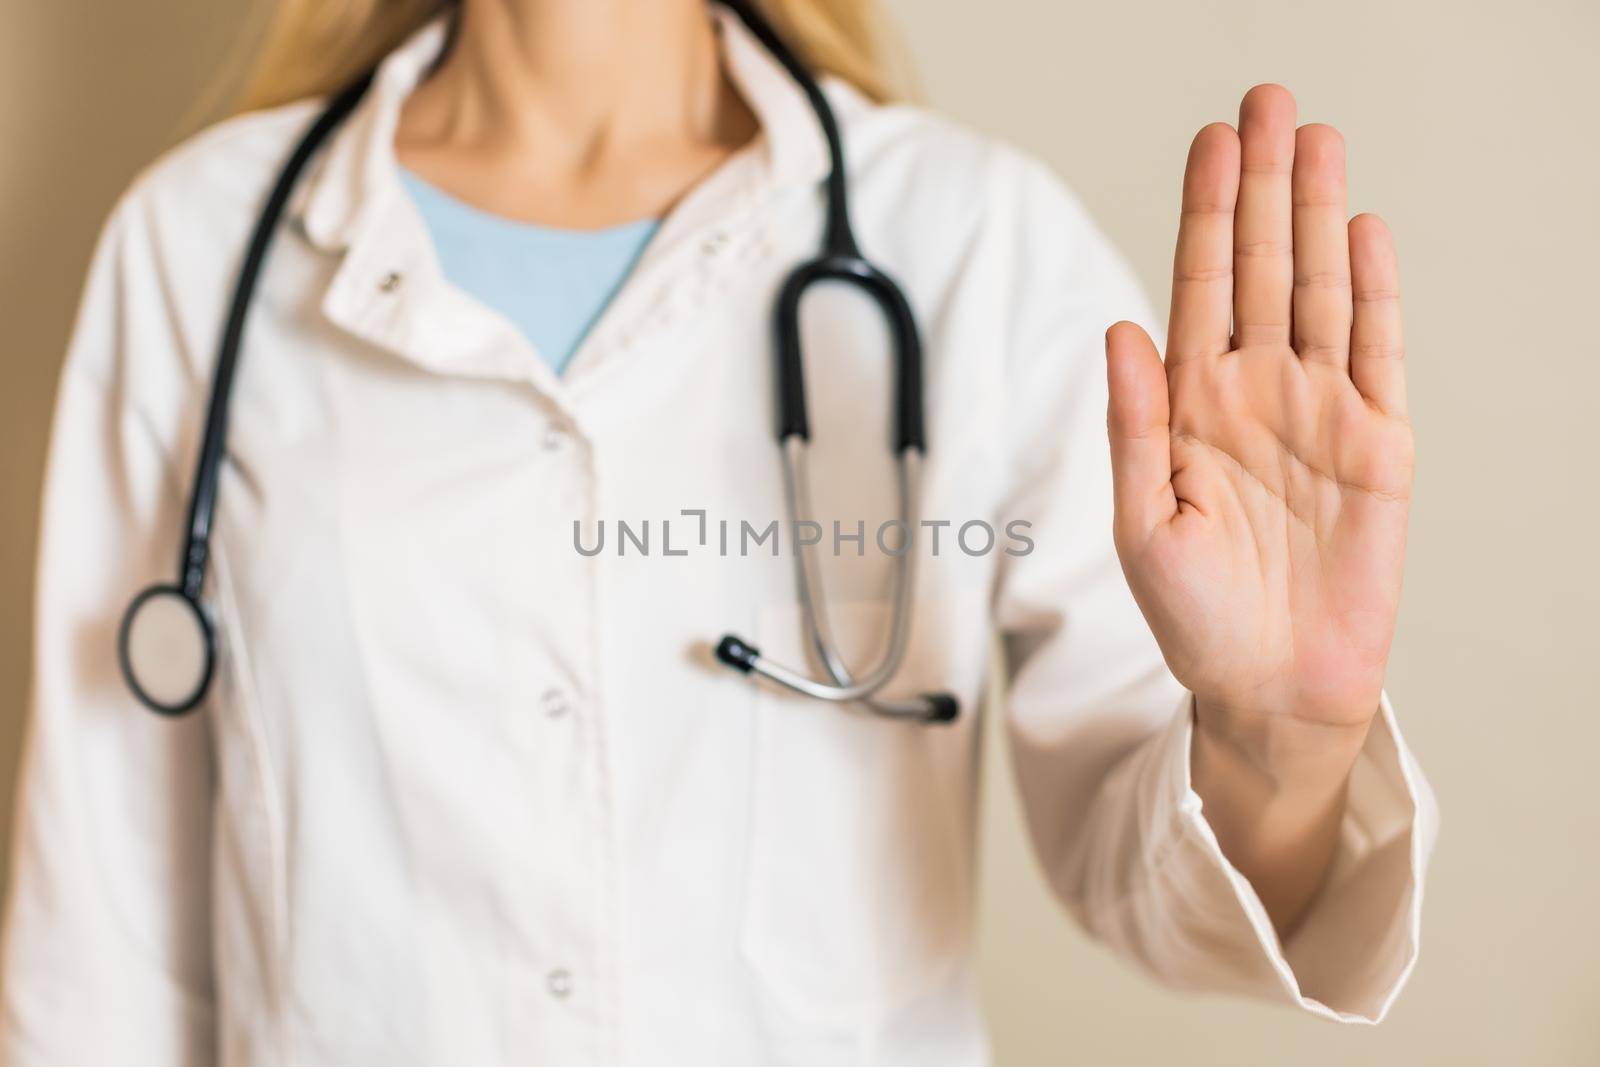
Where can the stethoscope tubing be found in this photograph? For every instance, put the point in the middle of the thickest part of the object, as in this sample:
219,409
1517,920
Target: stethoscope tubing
203,501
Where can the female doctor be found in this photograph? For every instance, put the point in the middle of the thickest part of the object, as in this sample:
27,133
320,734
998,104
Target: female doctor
463,790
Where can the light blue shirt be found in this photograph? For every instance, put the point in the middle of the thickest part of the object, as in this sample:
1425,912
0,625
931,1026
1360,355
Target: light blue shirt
552,283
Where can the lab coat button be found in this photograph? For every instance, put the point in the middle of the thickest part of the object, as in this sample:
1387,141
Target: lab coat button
391,281
555,703
554,438
560,982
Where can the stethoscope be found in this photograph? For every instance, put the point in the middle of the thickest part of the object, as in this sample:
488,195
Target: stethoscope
167,643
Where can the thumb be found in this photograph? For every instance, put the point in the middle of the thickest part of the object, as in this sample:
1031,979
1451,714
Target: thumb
1141,451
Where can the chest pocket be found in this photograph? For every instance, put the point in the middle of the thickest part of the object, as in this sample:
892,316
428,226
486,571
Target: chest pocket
859,875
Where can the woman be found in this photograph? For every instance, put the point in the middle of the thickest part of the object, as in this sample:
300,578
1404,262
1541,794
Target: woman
466,790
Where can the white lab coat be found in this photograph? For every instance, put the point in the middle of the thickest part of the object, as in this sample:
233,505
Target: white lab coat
463,794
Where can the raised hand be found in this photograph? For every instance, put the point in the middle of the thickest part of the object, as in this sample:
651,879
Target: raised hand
1263,474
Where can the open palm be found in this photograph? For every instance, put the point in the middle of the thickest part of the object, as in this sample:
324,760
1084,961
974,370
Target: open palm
1263,474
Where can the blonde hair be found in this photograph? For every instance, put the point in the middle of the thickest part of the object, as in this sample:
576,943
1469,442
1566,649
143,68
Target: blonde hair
311,47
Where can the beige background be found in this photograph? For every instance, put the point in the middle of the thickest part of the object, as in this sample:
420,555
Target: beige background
1474,128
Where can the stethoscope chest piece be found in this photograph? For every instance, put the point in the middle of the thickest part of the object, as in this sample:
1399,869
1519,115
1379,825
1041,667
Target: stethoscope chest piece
167,648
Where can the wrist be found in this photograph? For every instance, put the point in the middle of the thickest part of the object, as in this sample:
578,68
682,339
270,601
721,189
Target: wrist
1278,753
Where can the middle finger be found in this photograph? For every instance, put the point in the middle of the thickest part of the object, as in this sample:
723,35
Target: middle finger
1263,237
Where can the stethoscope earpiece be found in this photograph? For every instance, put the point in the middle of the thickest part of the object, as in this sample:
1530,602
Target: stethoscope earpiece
942,707
167,650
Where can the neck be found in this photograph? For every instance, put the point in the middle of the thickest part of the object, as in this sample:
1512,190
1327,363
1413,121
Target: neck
572,87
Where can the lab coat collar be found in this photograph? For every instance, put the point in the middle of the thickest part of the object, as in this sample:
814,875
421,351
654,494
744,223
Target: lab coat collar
347,191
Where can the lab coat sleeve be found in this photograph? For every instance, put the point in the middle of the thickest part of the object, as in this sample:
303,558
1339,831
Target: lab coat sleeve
106,945
1099,728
